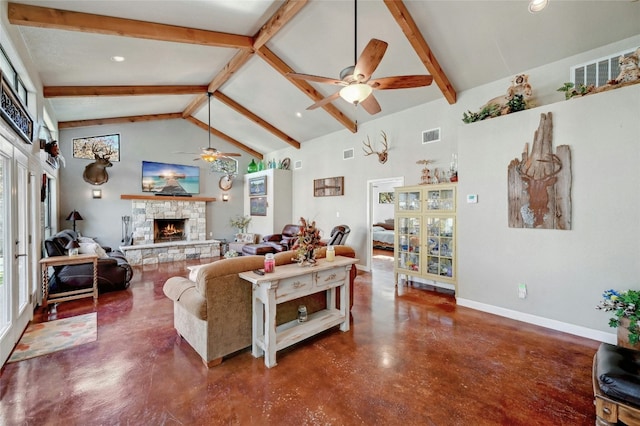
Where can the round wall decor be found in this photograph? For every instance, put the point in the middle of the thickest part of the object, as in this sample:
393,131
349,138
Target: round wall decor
225,182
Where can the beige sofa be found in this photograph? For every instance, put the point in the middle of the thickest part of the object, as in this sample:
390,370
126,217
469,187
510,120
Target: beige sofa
213,312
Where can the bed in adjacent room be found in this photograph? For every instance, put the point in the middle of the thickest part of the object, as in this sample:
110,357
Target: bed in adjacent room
383,235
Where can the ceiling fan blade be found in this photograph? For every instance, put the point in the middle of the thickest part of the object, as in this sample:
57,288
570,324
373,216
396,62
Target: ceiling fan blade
401,82
369,59
325,101
315,78
371,105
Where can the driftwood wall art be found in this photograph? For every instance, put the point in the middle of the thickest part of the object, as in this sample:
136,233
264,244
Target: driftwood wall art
540,183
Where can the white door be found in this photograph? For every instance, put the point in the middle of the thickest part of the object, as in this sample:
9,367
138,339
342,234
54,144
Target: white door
15,248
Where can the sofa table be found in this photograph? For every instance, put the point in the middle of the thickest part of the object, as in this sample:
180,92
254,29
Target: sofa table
290,282
73,294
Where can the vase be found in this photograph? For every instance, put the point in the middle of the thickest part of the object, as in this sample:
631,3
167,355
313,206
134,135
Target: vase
253,167
623,335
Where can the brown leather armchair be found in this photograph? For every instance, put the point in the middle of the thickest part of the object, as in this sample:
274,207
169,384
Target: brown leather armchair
285,240
114,271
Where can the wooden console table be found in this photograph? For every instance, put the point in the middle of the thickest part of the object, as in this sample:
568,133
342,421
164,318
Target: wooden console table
73,294
290,282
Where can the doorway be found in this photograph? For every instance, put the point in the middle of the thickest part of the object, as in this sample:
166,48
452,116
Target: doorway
381,207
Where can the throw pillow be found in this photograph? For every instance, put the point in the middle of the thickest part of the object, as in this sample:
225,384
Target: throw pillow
86,240
193,272
92,248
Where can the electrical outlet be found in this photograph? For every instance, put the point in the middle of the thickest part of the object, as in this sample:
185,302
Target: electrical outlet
522,291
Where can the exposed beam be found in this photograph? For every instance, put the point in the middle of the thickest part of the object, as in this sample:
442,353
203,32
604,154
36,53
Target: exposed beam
45,17
279,19
238,60
280,66
412,32
225,137
253,117
80,91
117,120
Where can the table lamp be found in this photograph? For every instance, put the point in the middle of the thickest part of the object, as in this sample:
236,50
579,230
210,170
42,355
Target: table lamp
73,247
74,215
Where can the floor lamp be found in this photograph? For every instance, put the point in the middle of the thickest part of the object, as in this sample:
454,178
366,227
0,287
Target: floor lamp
74,215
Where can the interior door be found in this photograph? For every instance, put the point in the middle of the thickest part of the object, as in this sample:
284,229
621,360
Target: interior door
6,311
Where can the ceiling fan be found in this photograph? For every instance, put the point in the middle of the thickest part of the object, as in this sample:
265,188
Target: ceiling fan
356,80
210,154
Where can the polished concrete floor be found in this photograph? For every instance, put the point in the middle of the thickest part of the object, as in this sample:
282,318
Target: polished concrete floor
412,357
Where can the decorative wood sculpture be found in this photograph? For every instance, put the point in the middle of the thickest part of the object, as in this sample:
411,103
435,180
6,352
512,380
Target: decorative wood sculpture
382,156
96,172
540,183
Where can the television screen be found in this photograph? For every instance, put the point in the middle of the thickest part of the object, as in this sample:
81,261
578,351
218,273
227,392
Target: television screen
170,179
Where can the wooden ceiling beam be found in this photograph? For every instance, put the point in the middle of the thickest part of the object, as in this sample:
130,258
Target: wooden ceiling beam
412,32
253,117
81,91
118,120
225,137
284,69
46,17
283,15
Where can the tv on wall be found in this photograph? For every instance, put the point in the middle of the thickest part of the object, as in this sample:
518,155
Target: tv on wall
170,179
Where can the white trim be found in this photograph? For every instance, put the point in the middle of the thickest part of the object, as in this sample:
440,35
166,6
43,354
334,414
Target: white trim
564,327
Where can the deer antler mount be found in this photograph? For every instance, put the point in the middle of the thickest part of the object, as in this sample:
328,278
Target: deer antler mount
382,155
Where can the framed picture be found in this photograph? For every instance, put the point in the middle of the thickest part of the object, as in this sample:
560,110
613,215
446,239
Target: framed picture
106,145
258,186
328,187
385,197
228,166
258,206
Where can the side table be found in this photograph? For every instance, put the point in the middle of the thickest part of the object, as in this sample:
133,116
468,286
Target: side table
73,294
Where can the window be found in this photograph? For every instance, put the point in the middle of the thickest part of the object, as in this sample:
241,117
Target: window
597,72
11,76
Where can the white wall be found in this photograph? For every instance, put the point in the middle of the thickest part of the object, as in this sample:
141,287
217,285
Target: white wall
150,141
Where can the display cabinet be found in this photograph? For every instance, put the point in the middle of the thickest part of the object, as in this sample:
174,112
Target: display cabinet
425,224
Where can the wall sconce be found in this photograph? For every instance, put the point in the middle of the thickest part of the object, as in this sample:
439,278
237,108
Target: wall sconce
225,197
96,193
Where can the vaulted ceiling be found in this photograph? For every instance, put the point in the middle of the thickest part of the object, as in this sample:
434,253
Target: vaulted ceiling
242,50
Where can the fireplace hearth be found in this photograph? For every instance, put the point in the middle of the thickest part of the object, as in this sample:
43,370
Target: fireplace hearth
167,230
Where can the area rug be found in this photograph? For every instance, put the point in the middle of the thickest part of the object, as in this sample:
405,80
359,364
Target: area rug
47,337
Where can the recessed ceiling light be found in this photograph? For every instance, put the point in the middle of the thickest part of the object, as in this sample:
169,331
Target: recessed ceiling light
537,5
117,58
298,114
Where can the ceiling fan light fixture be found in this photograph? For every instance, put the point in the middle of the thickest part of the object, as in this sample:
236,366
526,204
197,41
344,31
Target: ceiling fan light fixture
209,157
536,6
355,93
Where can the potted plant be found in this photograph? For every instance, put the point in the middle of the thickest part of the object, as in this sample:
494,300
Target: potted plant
240,222
624,306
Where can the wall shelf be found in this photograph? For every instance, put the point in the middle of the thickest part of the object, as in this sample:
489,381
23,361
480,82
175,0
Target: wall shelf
164,198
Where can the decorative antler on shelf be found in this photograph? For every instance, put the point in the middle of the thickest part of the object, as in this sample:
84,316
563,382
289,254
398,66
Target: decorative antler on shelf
382,156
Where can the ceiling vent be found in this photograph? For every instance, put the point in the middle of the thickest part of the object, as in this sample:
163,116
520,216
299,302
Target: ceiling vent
597,72
429,136
347,154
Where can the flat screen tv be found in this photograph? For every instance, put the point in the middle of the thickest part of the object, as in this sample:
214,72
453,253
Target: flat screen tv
170,179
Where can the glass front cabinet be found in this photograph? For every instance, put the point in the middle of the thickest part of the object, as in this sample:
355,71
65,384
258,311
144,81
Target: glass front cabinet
425,224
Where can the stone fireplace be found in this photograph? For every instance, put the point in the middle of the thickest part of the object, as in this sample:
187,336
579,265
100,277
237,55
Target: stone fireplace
166,230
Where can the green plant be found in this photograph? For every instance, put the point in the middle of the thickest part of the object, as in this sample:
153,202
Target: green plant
623,305
517,103
240,222
489,111
570,91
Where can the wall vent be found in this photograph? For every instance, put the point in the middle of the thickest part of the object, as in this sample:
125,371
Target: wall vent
597,72
429,136
348,154
297,164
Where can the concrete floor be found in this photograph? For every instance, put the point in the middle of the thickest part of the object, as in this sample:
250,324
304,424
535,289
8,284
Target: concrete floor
412,357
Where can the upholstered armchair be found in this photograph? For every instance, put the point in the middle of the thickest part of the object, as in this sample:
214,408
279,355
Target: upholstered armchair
337,237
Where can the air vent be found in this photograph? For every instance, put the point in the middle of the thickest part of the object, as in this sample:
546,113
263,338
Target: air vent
597,72
297,164
347,154
429,136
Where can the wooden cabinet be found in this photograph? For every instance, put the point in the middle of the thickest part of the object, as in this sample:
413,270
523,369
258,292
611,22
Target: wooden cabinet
270,205
425,225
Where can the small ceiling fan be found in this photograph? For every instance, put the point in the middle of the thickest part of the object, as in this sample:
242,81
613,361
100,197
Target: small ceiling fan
210,154
356,79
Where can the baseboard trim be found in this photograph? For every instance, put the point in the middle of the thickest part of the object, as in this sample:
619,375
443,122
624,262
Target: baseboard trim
564,327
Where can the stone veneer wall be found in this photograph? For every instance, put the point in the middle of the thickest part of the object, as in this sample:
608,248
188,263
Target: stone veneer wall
144,211
144,251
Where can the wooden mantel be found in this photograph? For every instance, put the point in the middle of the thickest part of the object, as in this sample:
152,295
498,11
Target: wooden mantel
164,198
